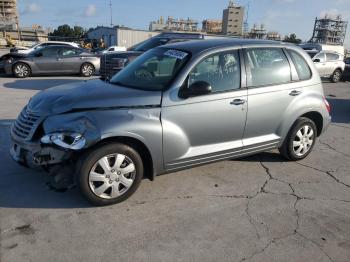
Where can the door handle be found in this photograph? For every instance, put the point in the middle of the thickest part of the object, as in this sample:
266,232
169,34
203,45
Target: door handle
295,93
238,102
59,59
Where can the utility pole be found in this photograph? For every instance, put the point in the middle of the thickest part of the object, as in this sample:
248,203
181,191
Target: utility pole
111,9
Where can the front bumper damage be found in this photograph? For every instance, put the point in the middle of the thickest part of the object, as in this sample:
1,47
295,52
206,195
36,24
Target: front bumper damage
33,154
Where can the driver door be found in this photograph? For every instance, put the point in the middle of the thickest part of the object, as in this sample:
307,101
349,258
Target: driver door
209,127
46,59
320,63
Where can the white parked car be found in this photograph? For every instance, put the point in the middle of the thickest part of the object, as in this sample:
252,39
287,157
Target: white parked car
114,49
329,64
24,50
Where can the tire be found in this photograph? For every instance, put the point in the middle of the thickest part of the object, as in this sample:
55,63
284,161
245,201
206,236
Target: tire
335,78
101,188
87,70
21,70
305,139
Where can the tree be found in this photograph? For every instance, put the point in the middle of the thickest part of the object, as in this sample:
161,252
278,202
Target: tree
292,38
67,31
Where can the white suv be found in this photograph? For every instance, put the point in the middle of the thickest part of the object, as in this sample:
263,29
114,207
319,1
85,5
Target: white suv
329,64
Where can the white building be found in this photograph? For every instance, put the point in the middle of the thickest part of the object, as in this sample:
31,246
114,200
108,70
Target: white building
120,36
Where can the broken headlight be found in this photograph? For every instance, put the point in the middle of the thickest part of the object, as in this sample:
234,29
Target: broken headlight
73,141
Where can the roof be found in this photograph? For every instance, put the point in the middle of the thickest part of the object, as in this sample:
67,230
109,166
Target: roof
198,46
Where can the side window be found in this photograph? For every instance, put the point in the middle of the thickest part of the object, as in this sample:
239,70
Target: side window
332,57
321,57
303,69
50,52
221,71
268,66
66,51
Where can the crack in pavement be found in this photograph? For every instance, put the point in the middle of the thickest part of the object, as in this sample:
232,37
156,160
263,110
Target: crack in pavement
347,127
328,173
333,148
296,231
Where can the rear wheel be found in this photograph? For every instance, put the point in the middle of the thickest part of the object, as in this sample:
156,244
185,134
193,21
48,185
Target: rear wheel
300,140
87,70
21,70
110,174
336,76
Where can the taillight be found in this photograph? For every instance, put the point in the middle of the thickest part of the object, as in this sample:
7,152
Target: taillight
328,106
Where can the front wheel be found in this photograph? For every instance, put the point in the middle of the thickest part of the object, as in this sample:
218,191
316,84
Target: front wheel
336,76
87,70
110,174
21,70
300,140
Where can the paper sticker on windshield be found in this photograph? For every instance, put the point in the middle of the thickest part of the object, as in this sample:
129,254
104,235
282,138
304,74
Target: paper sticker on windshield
176,54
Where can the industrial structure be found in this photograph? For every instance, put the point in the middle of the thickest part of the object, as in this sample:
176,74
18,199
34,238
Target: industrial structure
172,24
232,20
119,36
211,26
329,31
8,14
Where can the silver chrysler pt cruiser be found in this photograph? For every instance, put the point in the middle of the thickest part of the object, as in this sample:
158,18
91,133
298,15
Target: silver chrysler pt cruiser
175,107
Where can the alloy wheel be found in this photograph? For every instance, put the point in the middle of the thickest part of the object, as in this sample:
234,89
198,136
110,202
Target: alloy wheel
87,70
336,76
112,176
303,140
21,70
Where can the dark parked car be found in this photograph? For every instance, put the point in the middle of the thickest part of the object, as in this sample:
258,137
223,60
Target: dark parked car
51,60
346,73
112,63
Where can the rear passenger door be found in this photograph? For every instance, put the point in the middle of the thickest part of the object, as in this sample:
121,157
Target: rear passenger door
332,63
272,89
68,60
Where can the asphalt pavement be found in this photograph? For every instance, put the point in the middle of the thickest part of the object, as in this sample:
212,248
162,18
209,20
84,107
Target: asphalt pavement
259,208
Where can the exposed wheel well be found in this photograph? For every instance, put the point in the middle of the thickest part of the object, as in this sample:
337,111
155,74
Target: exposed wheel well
318,120
139,147
338,69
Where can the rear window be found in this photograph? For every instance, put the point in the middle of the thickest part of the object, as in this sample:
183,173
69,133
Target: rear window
303,69
268,66
332,57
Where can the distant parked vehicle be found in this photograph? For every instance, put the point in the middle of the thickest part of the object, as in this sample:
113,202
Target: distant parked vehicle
25,50
112,63
51,60
329,64
114,49
346,73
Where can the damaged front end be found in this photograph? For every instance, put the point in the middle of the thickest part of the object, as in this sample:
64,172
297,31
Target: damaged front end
46,141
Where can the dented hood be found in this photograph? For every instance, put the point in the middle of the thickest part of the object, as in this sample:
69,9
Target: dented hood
90,95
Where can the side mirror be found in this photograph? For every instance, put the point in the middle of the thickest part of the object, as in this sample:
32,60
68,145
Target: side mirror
317,60
39,55
198,88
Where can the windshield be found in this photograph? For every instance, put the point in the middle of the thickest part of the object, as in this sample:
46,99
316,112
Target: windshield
153,70
149,44
36,49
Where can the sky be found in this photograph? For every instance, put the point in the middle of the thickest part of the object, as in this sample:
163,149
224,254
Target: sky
284,16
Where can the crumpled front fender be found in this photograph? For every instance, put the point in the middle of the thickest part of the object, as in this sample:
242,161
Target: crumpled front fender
81,123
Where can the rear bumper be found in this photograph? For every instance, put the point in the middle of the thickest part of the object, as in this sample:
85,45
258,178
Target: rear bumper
326,123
